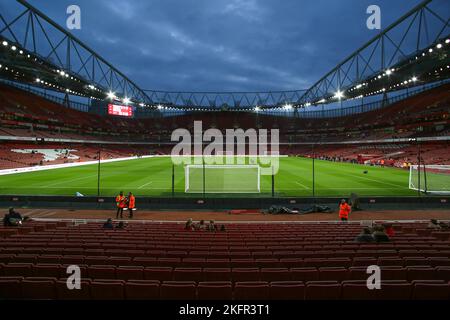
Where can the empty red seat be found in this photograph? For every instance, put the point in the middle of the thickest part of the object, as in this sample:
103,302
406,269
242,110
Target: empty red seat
107,290
395,291
275,274
304,274
217,290
158,273
287,290
145,262
142,290
251,290
187,274
431,291
333,274
358,291
390,261
245,274
64,293
130,273
18,269
421,273
364,261
38,288
178,290
322,290
47,270
10,288
102,272
217,274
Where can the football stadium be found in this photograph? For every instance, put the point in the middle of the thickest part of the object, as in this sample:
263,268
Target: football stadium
173,158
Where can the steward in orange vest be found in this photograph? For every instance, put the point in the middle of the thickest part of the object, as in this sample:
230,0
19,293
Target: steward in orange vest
121,203
131,204
344,210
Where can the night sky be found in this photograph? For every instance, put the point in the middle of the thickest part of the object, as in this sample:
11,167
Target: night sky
223,45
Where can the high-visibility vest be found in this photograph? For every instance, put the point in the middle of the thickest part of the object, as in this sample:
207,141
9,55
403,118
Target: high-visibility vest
131,202
120,200
344,210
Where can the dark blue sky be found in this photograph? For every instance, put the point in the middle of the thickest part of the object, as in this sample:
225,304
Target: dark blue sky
224,45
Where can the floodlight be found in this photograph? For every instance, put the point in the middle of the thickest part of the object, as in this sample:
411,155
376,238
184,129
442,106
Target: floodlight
126,100
439,46
388,72
339,95
414,79
111,95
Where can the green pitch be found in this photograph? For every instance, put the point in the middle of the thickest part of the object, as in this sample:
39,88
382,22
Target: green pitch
153,177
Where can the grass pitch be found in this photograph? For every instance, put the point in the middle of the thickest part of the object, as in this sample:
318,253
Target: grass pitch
153,177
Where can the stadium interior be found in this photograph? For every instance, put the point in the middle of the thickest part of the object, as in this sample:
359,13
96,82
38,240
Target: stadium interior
63,160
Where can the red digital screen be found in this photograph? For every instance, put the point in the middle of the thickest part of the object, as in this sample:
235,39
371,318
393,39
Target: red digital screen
116,110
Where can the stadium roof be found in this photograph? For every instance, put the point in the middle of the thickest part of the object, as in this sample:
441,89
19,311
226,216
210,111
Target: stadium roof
412,51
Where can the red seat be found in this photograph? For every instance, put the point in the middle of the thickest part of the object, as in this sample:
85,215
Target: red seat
287,290
357,291
187,274
193,263
364,261
107,290
304,274
102,272
421,273
323,290
64,293
47,270
217,290
394,291
145,262
390,261
142,290
18,270
38,288
10,287
251,290
275,274
130,273
333,274
443,273
178,290
158,273
217,274
431,291
72,259
245,274
394,273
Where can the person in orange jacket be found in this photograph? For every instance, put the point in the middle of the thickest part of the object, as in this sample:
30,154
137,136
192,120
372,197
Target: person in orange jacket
121,202
344,210
131,200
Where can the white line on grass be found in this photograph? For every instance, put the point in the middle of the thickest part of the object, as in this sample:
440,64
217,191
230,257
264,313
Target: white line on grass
68,181
302,185
144,185
379,181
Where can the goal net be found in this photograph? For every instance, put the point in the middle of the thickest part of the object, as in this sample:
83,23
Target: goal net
222,179
430,178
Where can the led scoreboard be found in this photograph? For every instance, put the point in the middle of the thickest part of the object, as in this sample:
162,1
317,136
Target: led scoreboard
117,110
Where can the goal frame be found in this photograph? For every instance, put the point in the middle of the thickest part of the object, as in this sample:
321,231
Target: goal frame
424,188
224,166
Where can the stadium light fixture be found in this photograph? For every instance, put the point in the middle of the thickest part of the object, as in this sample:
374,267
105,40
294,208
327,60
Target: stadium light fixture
111,95
339,95
414,79
5,43
288,106
126,100
13,48
257,109
388,72
141,104
322,101
439,46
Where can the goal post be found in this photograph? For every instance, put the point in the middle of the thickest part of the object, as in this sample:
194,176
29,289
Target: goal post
222,179
430,178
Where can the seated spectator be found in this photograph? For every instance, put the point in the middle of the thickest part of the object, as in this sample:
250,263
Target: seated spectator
379,234
434,224
189,225
389,229
108,224
121,225
222,228
200,226
211,226
365,236
12,218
